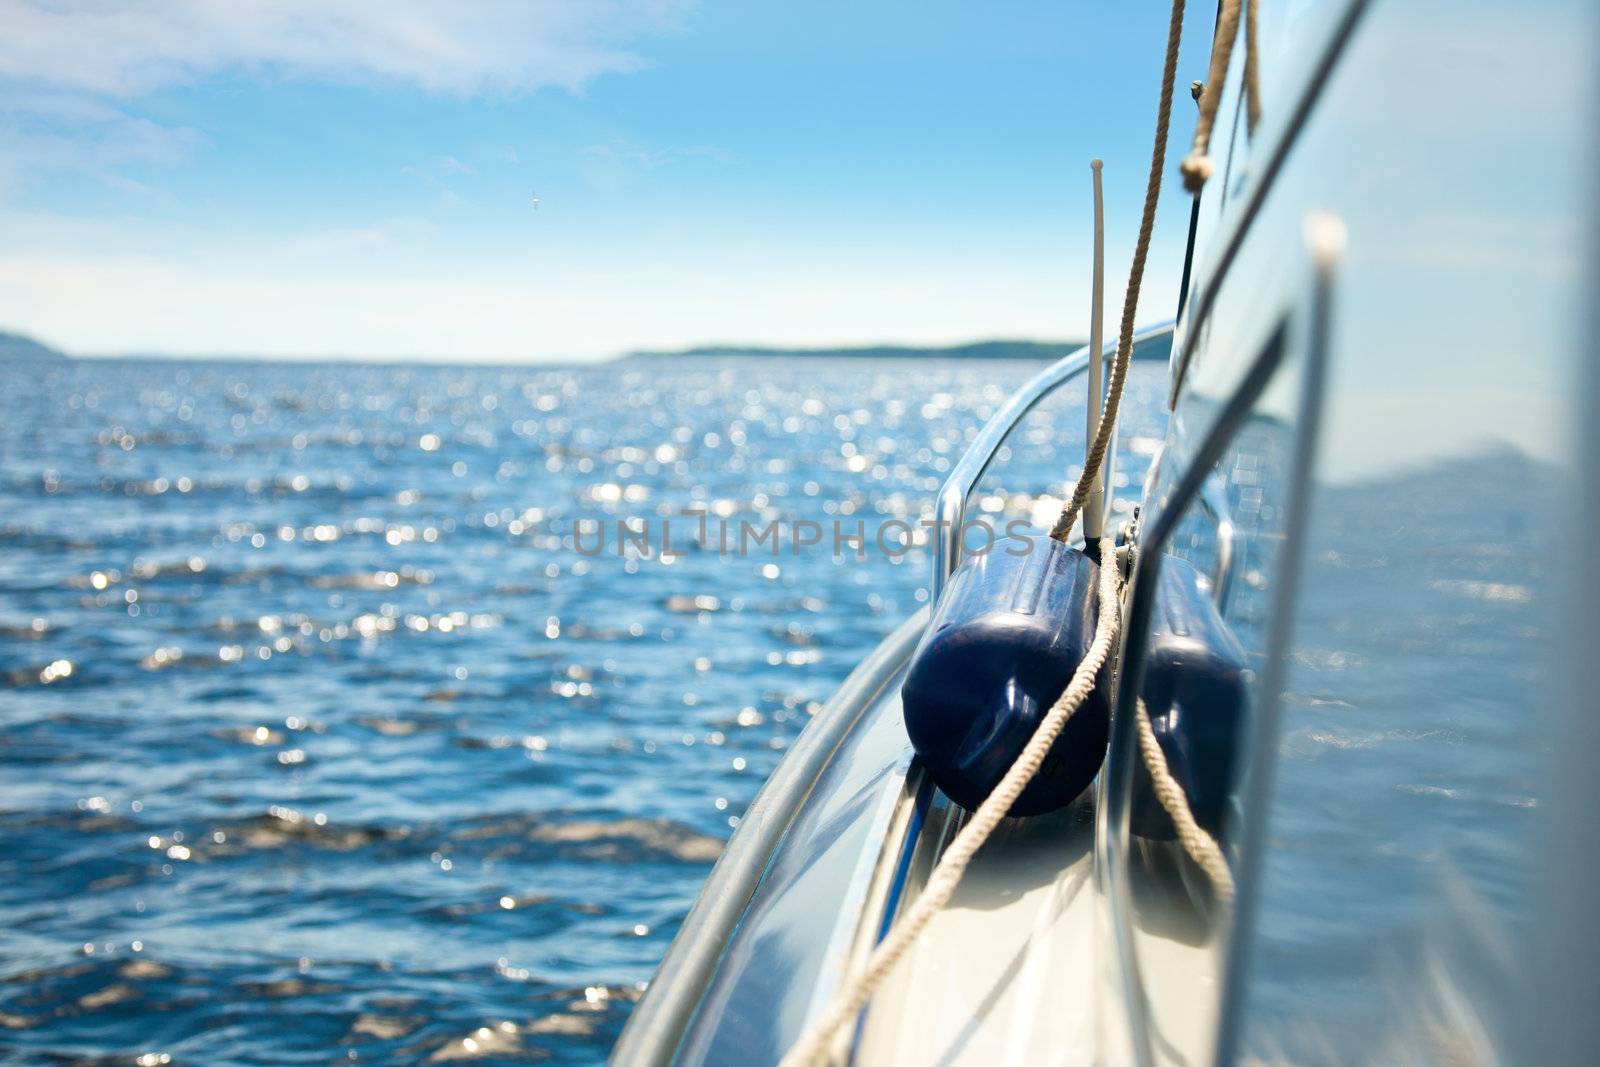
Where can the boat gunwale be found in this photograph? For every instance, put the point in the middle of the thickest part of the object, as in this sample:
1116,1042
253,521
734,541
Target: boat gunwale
950,503
655,1029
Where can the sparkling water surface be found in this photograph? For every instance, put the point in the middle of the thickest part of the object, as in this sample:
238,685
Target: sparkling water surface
323,743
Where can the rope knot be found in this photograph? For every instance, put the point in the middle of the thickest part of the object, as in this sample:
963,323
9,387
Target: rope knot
1196,169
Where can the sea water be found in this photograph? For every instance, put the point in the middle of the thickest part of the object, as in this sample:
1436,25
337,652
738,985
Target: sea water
328,734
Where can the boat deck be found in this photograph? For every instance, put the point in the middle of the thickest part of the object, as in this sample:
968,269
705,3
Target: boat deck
1004,976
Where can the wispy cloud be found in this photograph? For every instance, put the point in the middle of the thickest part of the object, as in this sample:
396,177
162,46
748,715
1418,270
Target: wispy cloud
627,153
61,130
437,172
72,71
504,46
452,165
378,237
616,164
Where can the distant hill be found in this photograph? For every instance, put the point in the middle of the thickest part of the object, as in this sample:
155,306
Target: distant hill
18,347
974,350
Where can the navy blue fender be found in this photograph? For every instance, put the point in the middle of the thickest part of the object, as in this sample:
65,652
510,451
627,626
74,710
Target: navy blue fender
1195,691
1013,625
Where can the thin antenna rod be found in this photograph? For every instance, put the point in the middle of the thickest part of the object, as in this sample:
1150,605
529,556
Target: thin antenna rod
1094,508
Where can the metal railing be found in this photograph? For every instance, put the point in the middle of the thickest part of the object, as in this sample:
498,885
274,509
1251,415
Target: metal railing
950,507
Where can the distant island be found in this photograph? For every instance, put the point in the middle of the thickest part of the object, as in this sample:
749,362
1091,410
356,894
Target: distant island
16,347
20,348
973,350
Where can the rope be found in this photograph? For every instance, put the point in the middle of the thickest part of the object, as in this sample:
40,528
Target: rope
857,989
1201,846
848,1001
1252,79
1130,305
1196,166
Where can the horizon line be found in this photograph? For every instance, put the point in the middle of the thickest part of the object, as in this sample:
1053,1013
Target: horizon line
699,350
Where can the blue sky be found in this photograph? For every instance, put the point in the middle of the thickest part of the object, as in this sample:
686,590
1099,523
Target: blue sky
348,179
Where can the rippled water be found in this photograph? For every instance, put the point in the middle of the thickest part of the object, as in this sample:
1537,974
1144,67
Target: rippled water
321,740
